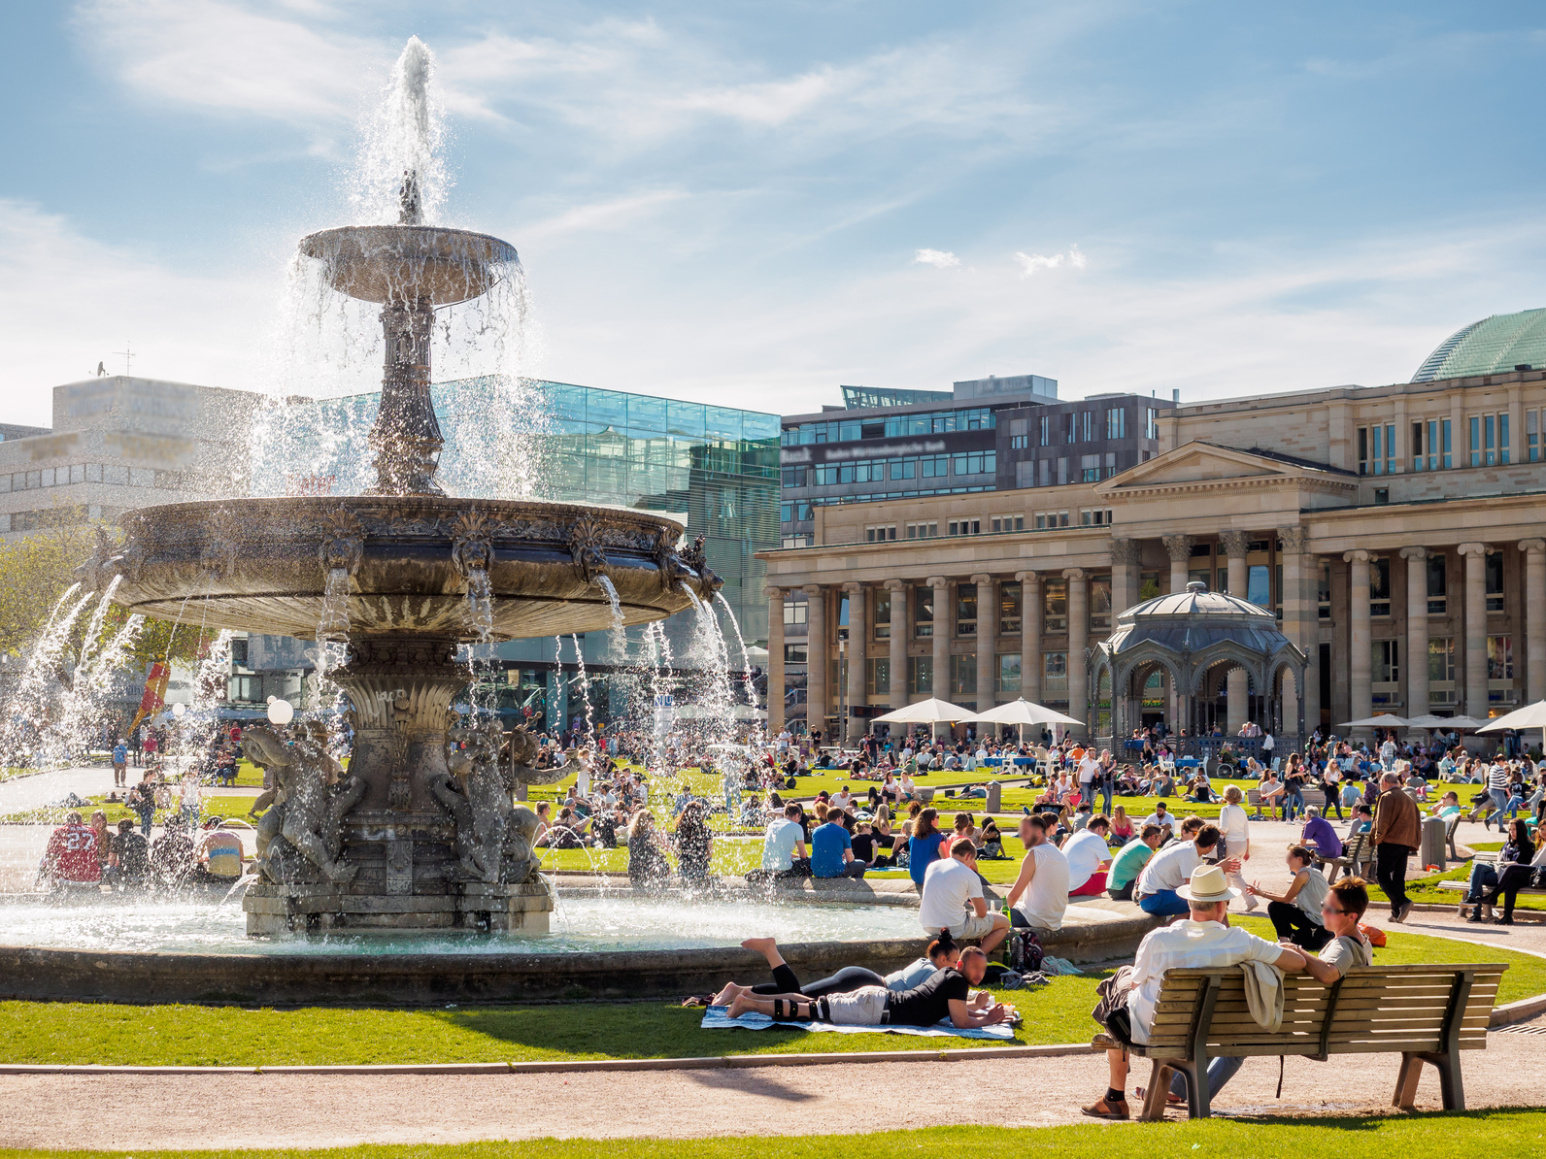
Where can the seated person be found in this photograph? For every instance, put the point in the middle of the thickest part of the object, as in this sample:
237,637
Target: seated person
1362,821
1159,884
783,846
1088,857
129,862
953,899
992,841
1514,869
946,994
71,860
832,849
1448,806
219,853
1320,837
1129,863
1162,817
172,856
1163,784
1296,912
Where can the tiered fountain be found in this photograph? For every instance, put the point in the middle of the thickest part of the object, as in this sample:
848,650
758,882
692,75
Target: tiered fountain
421,833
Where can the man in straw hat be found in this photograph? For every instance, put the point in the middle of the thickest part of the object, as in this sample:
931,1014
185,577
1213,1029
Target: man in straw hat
1203,940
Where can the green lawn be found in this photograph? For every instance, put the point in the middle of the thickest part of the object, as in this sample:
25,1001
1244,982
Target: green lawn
89,1033
1433,1136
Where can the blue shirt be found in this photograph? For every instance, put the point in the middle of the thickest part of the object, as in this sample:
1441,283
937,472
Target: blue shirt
921,852
120,755
827,844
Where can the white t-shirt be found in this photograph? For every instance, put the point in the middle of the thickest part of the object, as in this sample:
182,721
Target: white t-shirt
948,887
1044,900
1168,821
778,845
1170,868
1087,768
1235,826
1182,946
1084,852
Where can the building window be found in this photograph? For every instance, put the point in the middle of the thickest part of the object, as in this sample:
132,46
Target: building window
1088,424
796,476
1150,423
797,541
963,675
882,614
976,463
1089,468
1257,590
1054,605
1009,607
1494,572
795,609
1385,667
1379,587
966,610
877,676
239,653
1025,473
935,466
923,611
1533,434
1062,472
1441,660
1377,450
1019,434
904,468
1046,431
1008,523
1050,519
1008,676
920,675
1489,439
1323,591
1055,672
1095,517
1500,657
922,530
1430,445
1100,603
1116,423
1438,584
880,534
966,527
796,653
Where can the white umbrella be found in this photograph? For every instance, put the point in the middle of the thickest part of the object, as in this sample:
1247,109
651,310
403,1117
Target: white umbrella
1383,720
1530,716
1464,723
1023,711
930,712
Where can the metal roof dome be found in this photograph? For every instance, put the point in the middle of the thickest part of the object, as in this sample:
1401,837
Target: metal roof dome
1196,619
1494,345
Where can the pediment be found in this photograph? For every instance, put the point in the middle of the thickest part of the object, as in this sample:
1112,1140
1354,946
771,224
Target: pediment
1209,465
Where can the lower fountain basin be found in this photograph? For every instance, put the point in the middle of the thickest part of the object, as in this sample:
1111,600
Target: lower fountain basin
262,565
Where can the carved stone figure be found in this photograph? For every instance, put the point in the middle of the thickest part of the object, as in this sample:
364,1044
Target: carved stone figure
585,548
300,836
493,835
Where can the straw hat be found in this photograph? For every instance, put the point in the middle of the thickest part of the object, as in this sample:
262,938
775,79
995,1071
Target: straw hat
1208,886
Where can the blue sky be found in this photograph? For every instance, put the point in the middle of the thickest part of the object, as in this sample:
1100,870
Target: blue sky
752,203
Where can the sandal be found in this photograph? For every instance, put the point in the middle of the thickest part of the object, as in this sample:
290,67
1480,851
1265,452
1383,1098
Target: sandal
1104,1110
698,1000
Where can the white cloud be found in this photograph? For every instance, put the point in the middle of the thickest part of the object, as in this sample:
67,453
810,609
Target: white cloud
1030,263
940,259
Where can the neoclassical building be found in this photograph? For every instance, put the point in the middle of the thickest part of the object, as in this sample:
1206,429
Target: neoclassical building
1397,534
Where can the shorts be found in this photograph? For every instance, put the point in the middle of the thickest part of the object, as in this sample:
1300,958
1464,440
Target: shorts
865,1006
972,926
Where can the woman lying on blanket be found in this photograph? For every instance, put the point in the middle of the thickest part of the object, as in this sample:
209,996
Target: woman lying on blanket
942,952
946,994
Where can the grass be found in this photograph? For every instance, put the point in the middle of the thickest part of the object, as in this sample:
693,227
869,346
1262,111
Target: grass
1462,1135
185,1035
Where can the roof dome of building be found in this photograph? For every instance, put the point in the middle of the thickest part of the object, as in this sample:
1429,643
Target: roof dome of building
1494,345
1196,619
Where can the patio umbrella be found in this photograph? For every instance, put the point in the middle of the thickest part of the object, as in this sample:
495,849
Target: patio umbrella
930,712
1530,716
1383,720
1022,712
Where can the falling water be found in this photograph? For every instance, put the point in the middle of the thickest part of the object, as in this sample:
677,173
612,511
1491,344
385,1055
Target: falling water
480,604
29,708
333,623
80,711
403,137
579,655
605,583
746,663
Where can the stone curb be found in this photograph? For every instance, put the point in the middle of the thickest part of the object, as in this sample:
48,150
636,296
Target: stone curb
723,1062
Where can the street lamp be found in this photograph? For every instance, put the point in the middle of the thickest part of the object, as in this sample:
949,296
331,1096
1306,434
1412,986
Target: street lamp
842,691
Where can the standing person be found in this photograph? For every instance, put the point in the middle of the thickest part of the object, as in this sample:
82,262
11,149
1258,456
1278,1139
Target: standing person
141,800
1039,897
1089,769
1296,912
953,900
1235,828
1397,826
120,764
1106,780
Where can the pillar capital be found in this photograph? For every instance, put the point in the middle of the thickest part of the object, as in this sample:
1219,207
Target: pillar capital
1028,579
1125,552
813,590
1480,549
853,587
1073,573
981,578
895,585
1414,553
1357,555
773,592
1294,539
1235,543
1179,547
937,582
1532,545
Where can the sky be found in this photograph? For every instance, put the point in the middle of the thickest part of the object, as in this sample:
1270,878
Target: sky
752,203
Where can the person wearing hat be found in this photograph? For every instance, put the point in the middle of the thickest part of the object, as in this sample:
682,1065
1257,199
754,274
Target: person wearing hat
1204,940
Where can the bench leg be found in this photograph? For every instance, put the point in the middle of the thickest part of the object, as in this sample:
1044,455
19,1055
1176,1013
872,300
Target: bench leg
1154,1098
1451,1086
1406,1080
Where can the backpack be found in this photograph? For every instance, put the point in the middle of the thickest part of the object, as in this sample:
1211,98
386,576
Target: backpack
1025,952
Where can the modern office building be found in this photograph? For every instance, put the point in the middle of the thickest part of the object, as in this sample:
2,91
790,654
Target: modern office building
1397,532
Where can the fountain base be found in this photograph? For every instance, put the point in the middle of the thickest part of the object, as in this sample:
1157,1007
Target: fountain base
473,907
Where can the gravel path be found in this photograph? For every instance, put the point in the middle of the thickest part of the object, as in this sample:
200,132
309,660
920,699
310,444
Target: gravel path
133,1112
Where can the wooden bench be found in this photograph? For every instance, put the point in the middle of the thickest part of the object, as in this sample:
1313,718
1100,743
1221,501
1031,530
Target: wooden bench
1357,859
1316,797
1427,1013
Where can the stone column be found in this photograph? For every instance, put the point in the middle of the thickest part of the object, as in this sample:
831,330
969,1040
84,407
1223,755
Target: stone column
1180,549
1078,639
1125,556
858,653
987,639
1416,630
1030,635
897,692
816,658
1237,681
944,621
1359,646
1475,556
1297,619
775,660
1534,551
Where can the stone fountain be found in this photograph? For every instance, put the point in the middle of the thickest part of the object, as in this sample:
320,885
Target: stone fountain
421,833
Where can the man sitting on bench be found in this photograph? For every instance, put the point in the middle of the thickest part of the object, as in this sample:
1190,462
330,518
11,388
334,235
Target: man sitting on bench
1203,940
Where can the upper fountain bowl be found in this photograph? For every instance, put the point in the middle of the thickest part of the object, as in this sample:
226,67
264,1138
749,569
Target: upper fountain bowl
410,263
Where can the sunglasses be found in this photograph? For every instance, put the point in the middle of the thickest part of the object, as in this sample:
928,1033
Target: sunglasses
1326,908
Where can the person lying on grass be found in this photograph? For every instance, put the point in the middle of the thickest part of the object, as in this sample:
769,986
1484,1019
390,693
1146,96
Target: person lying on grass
946,994
942,953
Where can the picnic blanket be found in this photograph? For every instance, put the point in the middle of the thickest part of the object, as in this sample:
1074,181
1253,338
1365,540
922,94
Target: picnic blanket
716,1018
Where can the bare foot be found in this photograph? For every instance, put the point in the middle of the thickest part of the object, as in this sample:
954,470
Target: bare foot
739,1007
729,994
763,946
